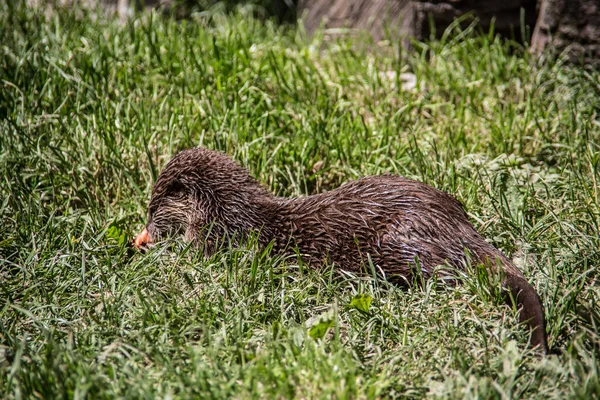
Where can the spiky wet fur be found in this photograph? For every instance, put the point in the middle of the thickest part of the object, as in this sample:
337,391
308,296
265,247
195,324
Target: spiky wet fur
397,222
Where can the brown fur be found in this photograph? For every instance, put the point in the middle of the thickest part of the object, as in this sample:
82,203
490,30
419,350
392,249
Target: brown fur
393,220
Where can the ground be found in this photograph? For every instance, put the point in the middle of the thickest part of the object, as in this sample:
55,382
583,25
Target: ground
92,108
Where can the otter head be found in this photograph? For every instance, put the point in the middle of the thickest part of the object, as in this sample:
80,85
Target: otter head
198,188
171,211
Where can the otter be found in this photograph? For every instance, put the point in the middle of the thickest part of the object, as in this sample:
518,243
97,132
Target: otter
399,224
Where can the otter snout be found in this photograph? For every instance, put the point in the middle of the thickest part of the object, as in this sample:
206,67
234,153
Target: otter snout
142,240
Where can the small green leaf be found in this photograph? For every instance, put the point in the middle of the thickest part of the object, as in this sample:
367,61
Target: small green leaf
361,302
117,234
318,330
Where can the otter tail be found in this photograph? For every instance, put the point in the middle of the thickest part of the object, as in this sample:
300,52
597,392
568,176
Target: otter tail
524,297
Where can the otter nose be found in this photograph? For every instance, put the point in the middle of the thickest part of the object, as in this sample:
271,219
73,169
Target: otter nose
142,239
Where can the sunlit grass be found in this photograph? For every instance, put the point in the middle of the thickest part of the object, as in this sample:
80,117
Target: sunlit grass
91,111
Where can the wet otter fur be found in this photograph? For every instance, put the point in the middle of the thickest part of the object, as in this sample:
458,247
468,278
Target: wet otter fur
206,196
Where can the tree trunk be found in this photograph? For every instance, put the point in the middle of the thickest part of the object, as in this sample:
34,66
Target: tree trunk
572,26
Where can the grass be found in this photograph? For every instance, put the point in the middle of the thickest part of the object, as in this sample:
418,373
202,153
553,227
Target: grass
91,111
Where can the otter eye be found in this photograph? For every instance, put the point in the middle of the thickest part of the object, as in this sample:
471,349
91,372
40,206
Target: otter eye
176,187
